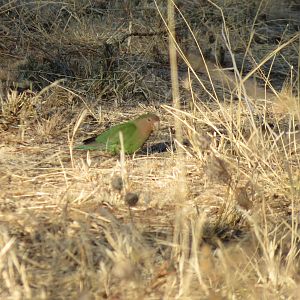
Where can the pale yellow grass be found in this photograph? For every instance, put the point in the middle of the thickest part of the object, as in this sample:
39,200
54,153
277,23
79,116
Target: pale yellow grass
65,233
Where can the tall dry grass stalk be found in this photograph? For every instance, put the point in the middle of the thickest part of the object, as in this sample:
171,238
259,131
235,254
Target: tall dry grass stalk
182,188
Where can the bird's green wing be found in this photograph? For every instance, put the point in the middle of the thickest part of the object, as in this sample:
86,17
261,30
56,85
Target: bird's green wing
109,140
111,137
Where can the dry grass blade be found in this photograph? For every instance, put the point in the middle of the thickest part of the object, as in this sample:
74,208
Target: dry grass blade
71,139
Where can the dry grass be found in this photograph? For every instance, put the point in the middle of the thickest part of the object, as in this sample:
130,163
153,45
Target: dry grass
68,226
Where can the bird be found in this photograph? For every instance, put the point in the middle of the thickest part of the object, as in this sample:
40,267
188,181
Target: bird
135,133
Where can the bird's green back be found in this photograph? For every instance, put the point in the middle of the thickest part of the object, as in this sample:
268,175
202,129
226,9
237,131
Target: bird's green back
109,140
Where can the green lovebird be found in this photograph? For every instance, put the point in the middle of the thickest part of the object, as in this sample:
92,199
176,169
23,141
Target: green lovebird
135,133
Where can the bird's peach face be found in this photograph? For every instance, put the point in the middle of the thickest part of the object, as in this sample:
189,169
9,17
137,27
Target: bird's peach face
153,121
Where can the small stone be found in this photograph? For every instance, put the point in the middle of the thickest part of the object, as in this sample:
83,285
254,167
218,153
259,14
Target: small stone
131,199
117,183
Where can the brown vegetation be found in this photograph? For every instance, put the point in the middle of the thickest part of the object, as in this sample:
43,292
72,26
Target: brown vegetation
207,211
